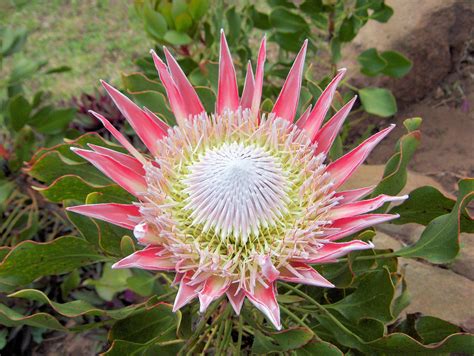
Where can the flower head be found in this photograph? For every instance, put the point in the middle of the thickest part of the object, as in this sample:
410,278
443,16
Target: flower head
234,200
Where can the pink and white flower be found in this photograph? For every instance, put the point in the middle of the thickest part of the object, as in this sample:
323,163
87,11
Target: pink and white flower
235,200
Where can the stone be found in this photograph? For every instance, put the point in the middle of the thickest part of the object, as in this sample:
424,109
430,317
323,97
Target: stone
431,33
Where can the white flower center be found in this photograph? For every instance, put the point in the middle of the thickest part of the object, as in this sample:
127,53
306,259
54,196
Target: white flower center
236,189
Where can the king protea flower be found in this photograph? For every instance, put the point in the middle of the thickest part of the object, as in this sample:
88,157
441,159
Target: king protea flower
235,200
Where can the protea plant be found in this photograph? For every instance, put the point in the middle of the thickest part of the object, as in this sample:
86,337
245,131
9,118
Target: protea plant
235,200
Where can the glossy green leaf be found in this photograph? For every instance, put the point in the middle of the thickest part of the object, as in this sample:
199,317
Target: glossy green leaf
70,282
371,62
11,318
30,260
433,329
156,102
371,299
397,343
397,64
378,101
348,30
53,165
77,307
183,22
427,203
319,348
142,282
111,282
177,38
198,8
395,173
19,110
157,323
155,23
439,242
54,122
383,14
73,187
286,21
137,82
260,20
281,341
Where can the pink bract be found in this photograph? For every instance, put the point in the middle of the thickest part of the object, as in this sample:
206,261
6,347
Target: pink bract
236,200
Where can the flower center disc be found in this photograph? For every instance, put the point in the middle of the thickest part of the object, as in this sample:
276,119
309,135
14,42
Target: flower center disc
236,190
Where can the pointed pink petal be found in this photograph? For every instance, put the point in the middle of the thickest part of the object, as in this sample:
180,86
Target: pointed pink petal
148,131
268,269
304,116
362,207
333,250
146,235
192,102
121,158
287,101
227,91
257,92
236,298
343,168
127,178
249,85
123,215
186,293
178,277
353,224
264,300
150,258
213,288
163,125
326,136
298,272
174,95
349,196
119,137
315,119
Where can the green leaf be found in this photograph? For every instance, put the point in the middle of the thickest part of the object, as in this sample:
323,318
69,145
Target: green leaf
281,341
425,204
156,102
137,82
177,38
335,46
347,31
198,8
19,110
371,62
155,23
395,173
397,343
378,101
157,323
111,282
433,329
286,21
54,122
11,318
183,22
439,242
70,187
30,260
142,282
234,22
259,19
70,282
53,165
397,64
371,299
319,348
127,245
207,96
3,338
75,308
383,14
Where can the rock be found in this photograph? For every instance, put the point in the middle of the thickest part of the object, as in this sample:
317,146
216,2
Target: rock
439,292
431,33
464,264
